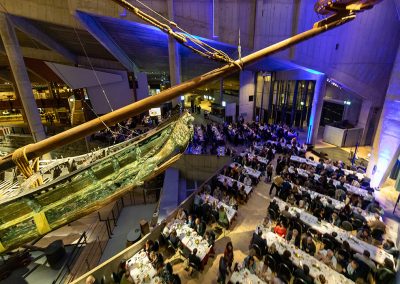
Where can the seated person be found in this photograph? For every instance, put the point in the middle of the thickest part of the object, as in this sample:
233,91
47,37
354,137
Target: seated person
293,237
280,229
194,259
259,241
307,245
304,274
365,258
190,222
390,247
377,224
285,213
149,247
173,238
250,264
156,260
286,260
327,257
181,215
274,253
223,218
352,270
364,235
200,227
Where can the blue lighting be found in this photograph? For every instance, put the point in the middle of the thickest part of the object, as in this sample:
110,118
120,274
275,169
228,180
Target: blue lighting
315,72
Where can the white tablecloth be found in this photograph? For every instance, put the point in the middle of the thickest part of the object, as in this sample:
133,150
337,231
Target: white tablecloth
141,269
230,181
244,276
252,172
323,227
190,238
252,156
300,257
230,212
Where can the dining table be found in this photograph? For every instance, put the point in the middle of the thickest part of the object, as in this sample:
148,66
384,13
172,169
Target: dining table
299,258
230,212
244,276
252,156
230,181
376,254
141,269
189,237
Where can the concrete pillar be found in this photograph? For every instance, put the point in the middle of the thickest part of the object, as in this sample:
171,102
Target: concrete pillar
246,95
316,109
174,57
21,77
364,119
142,90
386,146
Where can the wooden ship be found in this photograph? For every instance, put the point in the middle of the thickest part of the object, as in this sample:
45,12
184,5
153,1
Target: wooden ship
35,208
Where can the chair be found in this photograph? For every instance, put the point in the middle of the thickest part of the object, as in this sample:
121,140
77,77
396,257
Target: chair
328,244
384,275
257,250
299,281
271,262
346,225
377,234
284,220
284,270
313,233
272,214
297,225
345,254
357,223
194,267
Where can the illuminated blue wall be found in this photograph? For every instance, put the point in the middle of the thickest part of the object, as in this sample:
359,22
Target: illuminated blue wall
386,148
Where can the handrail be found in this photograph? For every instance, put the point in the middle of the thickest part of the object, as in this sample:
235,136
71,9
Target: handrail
74,254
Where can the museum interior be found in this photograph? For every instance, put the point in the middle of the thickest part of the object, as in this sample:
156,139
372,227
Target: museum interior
199,141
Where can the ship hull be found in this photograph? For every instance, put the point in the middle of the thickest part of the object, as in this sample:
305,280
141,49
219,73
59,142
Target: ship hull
32,214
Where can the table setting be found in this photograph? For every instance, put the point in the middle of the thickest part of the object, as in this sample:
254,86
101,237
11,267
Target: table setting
230,181
230,212
244,276
141,269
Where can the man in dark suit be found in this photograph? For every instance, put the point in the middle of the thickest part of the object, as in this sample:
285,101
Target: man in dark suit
260,242
307,245
304,274
194,260
200,227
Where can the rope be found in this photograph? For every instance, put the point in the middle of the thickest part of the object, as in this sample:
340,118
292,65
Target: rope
21,160
184,37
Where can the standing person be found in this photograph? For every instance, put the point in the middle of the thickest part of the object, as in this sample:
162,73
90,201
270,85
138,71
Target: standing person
270,169
228,254
222,270
276,183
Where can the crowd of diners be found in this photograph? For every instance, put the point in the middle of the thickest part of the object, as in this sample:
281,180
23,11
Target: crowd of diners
324,190
212,136
292,187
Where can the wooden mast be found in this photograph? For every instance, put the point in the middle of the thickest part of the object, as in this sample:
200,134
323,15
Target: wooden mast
78,132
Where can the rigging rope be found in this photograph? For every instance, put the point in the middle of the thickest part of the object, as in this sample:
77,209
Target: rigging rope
21,160
185,38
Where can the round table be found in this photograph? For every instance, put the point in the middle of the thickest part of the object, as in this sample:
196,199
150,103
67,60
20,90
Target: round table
133,236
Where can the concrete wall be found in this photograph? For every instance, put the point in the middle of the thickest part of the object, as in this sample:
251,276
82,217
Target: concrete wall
118,94
200,167
247,89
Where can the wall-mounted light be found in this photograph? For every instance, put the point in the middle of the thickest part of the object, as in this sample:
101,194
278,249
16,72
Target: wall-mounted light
302,103
182,98
223,103
347,103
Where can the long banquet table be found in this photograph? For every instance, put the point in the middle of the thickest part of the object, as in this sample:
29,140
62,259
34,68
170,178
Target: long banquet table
324,227
300,257
141,269
189,237
230,181
246,277
230,212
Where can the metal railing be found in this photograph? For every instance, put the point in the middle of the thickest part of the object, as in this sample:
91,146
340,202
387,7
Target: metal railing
66,268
